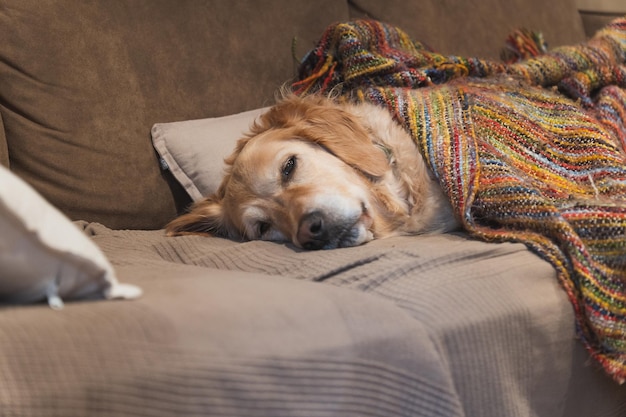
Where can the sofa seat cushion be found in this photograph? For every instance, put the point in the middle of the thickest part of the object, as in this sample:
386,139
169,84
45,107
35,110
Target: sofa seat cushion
420,326
204,342
502,326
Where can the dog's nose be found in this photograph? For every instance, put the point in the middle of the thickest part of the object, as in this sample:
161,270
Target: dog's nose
312,232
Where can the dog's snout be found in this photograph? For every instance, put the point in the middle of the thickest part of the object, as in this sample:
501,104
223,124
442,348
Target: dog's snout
312,232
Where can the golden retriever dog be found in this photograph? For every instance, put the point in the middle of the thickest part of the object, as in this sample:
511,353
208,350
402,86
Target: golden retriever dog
322,175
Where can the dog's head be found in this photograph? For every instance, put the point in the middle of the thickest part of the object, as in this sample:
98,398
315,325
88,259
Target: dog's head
304,174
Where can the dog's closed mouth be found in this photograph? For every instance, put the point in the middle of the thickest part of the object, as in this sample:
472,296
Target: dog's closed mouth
350,237
341,238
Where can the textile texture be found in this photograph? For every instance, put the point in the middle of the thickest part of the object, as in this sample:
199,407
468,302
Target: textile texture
530,151
82,83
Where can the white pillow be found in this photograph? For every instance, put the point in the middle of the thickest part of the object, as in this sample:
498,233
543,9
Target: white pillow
43,255
194,150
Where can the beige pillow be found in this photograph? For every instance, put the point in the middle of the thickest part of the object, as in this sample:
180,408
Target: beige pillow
194,150
43,255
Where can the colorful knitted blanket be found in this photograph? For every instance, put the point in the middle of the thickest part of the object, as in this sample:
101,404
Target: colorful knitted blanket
530,151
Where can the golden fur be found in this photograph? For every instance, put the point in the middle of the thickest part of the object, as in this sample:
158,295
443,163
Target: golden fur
322,175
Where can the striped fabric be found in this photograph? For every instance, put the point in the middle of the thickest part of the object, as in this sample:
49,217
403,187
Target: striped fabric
530,152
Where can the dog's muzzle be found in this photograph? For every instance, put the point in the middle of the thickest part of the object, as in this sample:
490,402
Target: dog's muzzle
320,231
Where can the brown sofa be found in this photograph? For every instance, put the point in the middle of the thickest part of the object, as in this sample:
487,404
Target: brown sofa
416,326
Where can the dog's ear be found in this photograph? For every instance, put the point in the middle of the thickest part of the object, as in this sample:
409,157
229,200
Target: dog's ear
344,135
206,217
354,147
327,123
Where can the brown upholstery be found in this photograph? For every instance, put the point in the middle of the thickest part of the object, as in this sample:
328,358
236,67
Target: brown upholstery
594,21
82,83
431,325
4,151
475,27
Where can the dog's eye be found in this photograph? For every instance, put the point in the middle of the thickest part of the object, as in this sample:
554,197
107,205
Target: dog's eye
288,167
263,227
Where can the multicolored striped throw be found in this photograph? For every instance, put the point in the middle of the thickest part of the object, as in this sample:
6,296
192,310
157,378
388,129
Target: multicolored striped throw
530,151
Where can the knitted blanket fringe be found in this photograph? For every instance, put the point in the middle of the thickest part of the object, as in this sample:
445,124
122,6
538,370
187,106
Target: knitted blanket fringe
530,151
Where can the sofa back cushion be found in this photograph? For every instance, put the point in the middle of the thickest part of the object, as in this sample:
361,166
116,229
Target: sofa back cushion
82,83
476,27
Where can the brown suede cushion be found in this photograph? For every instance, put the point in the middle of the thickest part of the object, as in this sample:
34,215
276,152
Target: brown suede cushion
476,27
594,21
82,83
